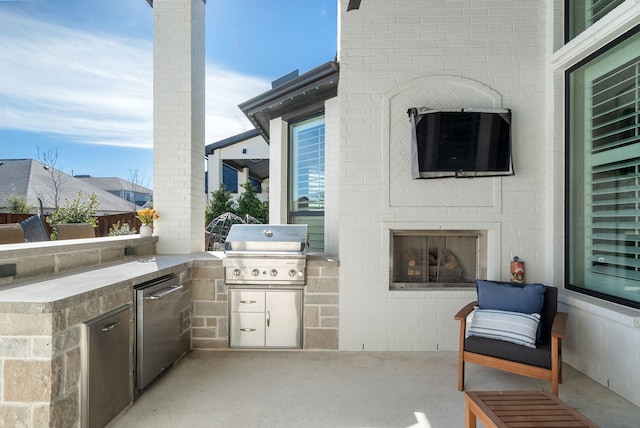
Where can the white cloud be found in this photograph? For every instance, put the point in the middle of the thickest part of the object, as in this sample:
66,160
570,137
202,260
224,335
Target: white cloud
97,88
225,90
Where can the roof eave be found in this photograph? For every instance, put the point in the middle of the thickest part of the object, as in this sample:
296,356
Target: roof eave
325,75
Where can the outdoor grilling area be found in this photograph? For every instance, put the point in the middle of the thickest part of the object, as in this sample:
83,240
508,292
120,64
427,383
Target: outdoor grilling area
45,307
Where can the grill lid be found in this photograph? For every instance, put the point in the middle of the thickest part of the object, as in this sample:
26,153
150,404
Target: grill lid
264,239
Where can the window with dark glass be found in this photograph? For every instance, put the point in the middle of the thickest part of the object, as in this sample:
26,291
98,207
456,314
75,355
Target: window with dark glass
603,174
230,178
257,185
306,178
581,14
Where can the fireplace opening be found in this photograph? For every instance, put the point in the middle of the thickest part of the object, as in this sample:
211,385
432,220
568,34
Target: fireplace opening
432,259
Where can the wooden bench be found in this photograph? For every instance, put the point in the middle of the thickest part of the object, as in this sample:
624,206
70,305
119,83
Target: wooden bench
502,409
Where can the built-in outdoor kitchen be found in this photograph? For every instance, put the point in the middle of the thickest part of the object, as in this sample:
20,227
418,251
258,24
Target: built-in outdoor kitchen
71,319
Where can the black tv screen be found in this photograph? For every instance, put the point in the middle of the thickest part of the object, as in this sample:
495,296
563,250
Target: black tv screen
460,142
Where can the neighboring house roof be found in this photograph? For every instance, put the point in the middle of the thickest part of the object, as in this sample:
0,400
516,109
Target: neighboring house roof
32,179
258,168
113,184
210,148
295,97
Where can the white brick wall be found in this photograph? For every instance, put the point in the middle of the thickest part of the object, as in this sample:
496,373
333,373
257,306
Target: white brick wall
398,54
332,174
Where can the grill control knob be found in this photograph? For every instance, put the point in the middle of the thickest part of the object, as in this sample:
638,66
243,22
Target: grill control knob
255,272
273,272
236,272
292,273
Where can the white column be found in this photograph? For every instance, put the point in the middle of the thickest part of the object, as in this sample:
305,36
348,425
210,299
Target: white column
278,152
215,172
178,124
243,177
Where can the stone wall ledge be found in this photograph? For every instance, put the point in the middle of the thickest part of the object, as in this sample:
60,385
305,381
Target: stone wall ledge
37,259
29,249
45,294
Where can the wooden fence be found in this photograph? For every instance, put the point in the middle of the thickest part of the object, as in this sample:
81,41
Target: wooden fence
104,222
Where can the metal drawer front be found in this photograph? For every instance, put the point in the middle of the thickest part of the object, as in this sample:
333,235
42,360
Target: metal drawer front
247,329
247,301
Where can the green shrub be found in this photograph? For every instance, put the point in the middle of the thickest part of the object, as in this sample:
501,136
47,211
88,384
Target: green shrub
75,211
117,229
221,203
250,204
17,204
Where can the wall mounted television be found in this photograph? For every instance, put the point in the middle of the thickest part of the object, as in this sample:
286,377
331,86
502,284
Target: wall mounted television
460,142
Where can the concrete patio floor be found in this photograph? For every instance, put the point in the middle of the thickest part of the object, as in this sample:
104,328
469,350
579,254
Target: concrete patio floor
341,389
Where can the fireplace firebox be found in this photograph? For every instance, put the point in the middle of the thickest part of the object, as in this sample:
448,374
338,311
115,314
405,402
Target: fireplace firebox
425,259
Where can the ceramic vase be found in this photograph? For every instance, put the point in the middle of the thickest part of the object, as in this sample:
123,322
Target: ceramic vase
146,230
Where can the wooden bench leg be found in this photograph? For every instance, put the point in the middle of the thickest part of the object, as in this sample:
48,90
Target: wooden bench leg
470,418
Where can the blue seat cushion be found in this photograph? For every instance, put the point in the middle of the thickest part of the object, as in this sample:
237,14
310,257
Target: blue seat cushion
539,356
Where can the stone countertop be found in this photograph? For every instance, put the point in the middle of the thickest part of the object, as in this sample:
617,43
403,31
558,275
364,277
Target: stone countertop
41,294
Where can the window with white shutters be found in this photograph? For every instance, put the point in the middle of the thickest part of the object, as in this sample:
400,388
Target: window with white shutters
306,178
604,174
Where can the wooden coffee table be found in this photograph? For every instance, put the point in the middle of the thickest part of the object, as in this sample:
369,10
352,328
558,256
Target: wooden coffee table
502,409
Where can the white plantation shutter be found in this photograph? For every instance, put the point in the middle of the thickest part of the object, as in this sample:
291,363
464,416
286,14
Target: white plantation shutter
614,182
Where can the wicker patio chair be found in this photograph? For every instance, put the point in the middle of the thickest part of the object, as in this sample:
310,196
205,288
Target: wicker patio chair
216,232
34,229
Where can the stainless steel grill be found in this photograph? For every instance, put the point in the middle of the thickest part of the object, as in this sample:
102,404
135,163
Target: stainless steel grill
266,254
265,269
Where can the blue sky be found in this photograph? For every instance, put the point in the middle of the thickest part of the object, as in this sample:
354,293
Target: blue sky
76,75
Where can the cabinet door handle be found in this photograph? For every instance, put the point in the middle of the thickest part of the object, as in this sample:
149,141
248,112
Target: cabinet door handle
247,301
164,293
268,318
110,326
247,329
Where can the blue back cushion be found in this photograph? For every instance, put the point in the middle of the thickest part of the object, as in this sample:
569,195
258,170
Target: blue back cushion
508,296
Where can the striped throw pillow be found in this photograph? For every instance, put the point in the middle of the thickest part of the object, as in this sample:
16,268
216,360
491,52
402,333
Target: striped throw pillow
514,327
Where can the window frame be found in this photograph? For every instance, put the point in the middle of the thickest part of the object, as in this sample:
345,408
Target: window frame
292,215
568,15
568,251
